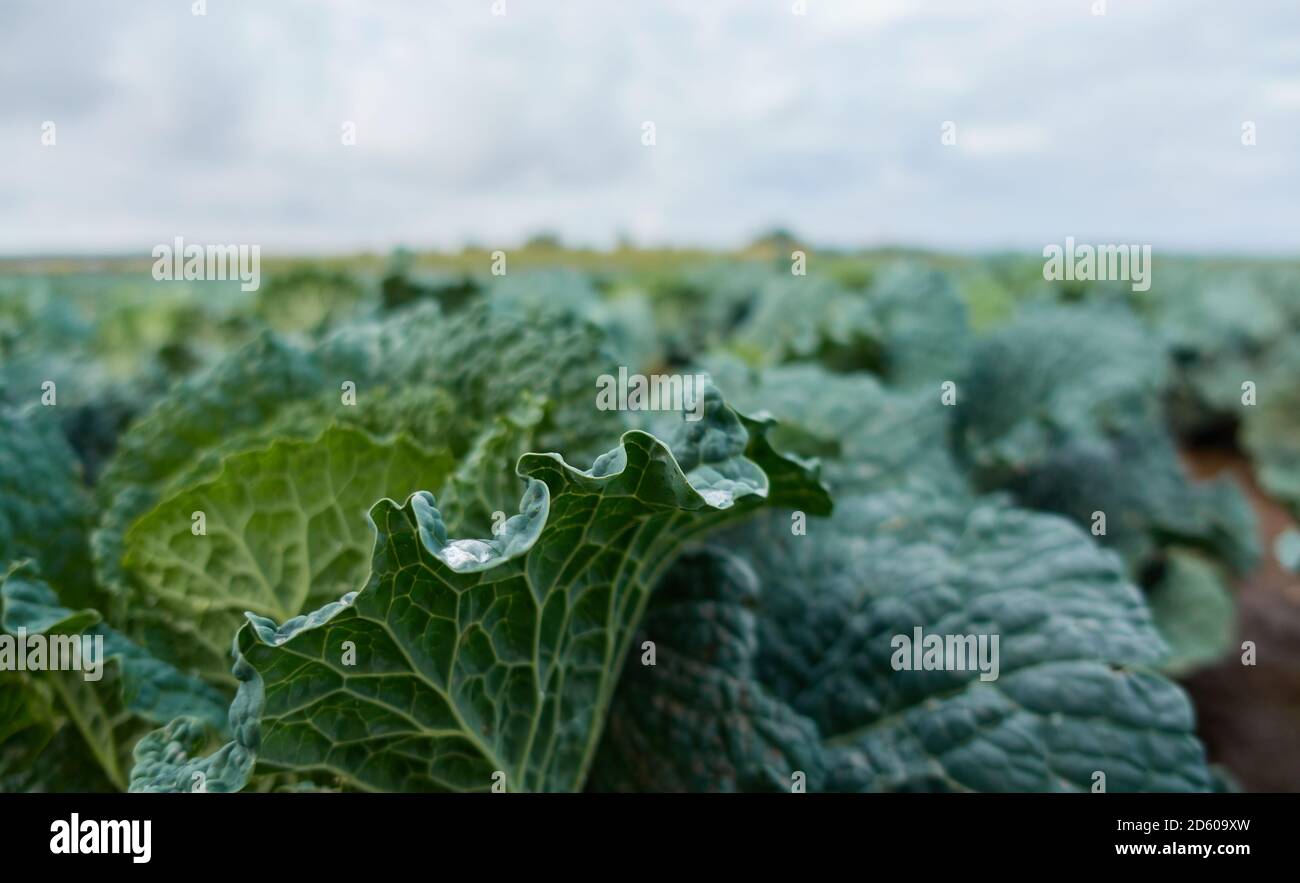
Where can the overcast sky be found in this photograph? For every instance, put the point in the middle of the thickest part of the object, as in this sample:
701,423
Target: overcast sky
474,127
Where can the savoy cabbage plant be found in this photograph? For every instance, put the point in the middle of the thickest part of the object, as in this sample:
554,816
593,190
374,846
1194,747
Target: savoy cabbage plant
389,543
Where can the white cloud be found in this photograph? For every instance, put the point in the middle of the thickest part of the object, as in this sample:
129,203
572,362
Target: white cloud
471,126
1283,94
1005,140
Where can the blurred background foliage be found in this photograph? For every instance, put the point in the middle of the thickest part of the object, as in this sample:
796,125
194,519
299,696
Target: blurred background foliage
1087,391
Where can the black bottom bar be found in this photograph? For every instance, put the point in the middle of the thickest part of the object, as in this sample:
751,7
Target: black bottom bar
332,832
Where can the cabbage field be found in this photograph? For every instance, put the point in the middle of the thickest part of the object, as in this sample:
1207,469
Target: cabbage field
372,527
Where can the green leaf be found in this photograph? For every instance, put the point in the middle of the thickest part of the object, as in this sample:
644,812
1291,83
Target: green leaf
810,317
285,532
697,308
487,362
51,757
44,508
925,332
1076,691
1062,408
29,719
1149,502
1272,427
479,657
307,298
1080,374
697,719
441,380
110,706
444,382
478,492
909,328
1216,327
27,723
1193,611
627,322
869,436
194,422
